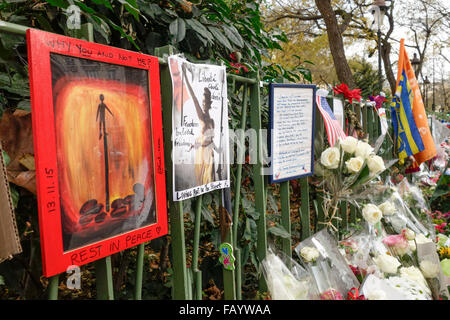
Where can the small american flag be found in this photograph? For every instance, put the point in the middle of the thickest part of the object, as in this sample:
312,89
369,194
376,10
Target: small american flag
332,125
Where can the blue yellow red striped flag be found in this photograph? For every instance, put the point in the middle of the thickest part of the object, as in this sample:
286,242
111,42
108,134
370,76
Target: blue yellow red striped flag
412,133
406,134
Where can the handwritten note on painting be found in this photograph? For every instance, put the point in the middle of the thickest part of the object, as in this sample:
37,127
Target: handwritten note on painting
292,143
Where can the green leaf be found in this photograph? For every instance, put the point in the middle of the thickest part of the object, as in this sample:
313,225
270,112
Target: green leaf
131,7
442,187
279,231
150,9
250,232
63,4
249,208
24,105
14,196
220,37
6,158
177,29
272,203
200,29
105,3
206,213
445,264
207,199
234,36
44,24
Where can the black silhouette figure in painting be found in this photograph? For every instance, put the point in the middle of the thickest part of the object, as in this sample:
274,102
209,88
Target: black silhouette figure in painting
101,113
102,128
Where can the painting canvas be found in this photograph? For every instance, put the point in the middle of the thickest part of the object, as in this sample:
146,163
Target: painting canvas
104,149
104,176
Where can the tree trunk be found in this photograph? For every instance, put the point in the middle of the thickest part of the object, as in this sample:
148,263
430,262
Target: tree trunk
385,53
336,43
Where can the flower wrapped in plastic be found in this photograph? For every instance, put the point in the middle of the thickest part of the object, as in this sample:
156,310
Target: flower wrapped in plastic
332,276
402,246
431,269
285,278
396,214
415,201
350,171
358,249
393,288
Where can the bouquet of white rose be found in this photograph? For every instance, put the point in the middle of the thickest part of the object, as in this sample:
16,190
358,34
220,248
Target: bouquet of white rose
348,170
286,279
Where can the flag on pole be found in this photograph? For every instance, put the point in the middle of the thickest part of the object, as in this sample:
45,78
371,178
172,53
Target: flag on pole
411,130
334,129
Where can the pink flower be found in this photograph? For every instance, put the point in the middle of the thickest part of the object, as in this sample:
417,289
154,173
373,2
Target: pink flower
397,243
331,294
396,240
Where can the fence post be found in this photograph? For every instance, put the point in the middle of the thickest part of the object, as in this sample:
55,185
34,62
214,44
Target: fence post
258,178
286,217
176,216
103,275
139,271
304,209
364,117
240,158
53,287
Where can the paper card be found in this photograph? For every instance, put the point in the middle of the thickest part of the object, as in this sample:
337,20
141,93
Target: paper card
200,143
291,131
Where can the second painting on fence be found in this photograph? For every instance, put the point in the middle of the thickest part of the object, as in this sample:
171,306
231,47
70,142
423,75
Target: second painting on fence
200,142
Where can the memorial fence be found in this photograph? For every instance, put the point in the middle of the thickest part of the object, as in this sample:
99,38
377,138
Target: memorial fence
187,280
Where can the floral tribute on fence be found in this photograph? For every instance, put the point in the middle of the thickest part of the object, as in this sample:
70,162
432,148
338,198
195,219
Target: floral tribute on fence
397,250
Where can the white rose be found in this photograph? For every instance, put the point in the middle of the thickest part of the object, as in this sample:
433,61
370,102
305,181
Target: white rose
371,213
429,269
421,239
388,208
309,254
402,250
412,245
376,295
415,275
375,164
349,144
409,234
330,158
354,164
387,263
363,149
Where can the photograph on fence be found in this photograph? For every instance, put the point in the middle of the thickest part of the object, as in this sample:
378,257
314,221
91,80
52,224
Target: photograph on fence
98,144
199,128
291,136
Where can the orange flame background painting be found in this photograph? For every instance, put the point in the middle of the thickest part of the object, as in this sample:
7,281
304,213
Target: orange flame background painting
80,148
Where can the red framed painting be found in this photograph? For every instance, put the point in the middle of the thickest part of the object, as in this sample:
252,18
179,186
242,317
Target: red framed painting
98,142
